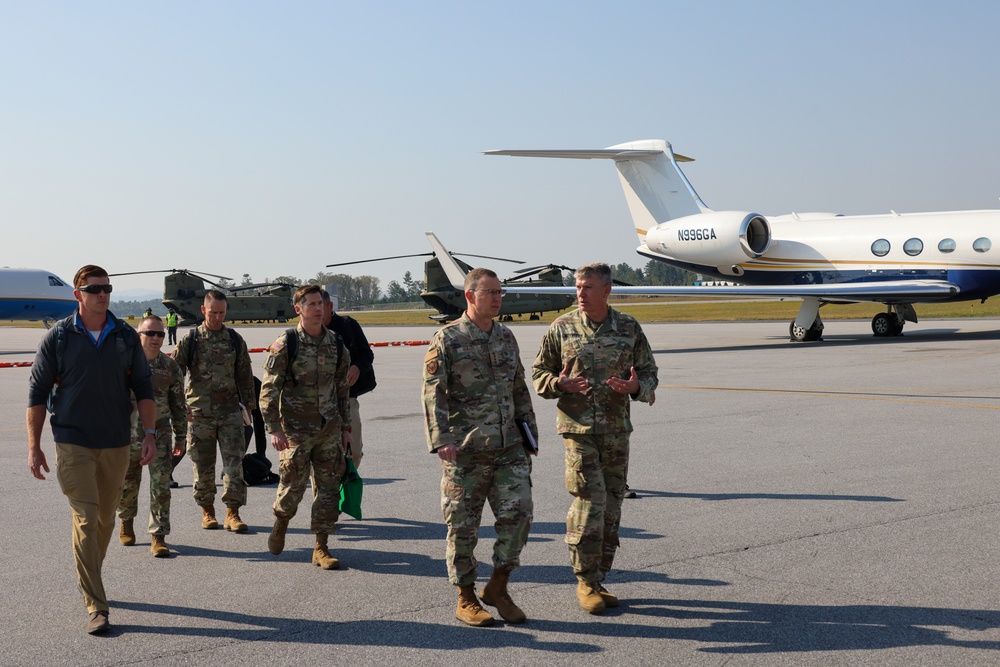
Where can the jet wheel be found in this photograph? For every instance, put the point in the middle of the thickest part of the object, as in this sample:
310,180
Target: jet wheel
803,335
886,324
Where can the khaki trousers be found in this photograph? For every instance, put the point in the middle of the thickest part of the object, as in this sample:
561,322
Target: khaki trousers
92,481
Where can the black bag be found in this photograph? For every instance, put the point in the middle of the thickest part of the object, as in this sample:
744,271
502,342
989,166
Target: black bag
366,382
257,470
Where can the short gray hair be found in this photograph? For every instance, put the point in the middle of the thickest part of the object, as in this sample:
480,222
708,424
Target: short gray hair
599,270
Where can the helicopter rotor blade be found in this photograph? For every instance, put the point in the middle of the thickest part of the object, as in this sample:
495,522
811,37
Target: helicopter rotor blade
202,274
499,259
379,259
243,288
136,273
199,274
537,269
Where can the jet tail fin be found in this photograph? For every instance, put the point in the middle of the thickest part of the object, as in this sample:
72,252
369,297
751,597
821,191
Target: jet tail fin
655,187
454,272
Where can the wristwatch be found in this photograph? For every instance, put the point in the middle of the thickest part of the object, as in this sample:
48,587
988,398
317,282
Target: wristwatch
151,431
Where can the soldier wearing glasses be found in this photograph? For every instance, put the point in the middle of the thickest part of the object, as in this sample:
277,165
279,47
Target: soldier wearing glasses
474,395
168,389
86,369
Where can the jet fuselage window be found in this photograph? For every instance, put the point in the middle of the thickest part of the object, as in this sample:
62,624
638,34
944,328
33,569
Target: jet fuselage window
55,282
947,245
913,247
880,248
982,244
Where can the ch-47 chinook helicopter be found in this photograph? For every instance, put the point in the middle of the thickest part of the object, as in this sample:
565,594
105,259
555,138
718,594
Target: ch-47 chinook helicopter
444,276
185,290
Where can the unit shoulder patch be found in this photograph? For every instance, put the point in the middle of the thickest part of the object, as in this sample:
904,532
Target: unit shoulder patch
431,361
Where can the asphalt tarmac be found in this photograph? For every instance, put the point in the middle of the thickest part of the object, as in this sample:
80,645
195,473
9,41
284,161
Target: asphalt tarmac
829,503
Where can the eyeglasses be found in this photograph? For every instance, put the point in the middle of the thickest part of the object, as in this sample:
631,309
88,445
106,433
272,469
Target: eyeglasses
95,289
492,292
158,334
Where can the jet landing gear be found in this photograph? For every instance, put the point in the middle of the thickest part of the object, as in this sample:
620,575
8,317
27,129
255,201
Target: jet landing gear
807,325
890,323
886,324
803,335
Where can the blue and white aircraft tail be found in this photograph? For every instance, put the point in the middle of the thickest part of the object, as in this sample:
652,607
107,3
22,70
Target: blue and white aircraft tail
34,295
894,259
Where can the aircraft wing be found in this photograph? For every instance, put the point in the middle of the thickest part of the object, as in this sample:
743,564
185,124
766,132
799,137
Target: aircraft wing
894,291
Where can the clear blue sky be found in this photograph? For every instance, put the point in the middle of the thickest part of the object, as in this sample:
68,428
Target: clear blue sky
275,138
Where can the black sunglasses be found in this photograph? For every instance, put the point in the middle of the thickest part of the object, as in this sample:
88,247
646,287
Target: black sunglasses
158,334
95,289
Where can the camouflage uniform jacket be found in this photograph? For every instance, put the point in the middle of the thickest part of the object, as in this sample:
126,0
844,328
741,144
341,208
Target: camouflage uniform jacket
474,389
168,390
613,348
221,378
300,403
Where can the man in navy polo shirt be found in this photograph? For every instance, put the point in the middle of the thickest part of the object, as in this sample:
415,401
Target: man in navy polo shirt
86,369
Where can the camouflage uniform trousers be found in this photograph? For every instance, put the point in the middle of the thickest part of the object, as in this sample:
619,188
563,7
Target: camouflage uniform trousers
159,485
596,472
203,432
324,455
504,478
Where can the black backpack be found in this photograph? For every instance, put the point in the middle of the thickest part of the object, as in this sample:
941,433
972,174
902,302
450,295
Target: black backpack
257,470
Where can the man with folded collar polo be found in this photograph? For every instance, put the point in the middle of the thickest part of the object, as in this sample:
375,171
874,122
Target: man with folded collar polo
86,370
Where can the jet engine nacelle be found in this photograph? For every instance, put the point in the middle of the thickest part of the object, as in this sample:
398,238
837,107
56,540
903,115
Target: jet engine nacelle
722,239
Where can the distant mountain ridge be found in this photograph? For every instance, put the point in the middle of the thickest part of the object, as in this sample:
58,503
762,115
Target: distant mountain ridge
138,294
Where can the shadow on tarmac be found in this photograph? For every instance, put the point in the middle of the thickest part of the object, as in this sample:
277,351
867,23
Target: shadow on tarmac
386,633
647,493
779,343
728,628
751,628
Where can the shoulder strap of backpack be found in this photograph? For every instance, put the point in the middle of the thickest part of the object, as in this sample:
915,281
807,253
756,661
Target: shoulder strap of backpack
193,347
128,336
60,348
292,345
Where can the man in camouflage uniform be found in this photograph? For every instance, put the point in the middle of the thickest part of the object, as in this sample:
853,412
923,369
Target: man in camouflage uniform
307,411
169,400
221,380
594,360
474,395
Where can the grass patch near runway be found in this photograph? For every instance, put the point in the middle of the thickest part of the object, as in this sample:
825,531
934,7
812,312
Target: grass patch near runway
726,310
685,310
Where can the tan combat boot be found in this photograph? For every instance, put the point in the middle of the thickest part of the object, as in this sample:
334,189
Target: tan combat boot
233,521
321,555
589,597
159,548
276,542
610,599
469,611
127,534
495,595
208,520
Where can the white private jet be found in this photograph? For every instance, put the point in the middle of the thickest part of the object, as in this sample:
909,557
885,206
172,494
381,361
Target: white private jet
33,294
895,259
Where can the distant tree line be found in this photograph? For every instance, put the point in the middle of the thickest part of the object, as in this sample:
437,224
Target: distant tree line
655,273
366,290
